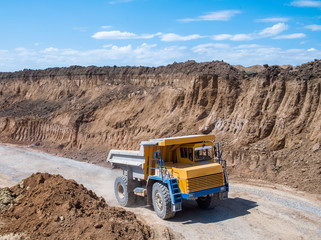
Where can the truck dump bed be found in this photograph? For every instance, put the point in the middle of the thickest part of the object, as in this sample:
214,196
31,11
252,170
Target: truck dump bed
125,160
126,157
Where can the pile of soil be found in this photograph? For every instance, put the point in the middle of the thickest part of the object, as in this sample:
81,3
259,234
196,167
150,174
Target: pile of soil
46,206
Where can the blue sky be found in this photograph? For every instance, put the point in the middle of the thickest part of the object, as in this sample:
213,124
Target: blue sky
37,34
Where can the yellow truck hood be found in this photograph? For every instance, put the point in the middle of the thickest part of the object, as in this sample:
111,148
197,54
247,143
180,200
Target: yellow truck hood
197,177
185,171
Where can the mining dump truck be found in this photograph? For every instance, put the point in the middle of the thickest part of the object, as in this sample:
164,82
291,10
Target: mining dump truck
168,170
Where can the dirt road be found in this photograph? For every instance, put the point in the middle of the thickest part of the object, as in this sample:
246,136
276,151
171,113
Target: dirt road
253,211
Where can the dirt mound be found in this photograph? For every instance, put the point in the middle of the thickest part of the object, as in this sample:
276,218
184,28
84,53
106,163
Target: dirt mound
51,207
251,69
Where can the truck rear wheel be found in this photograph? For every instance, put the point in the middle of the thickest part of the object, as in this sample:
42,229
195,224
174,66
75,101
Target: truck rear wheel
162,201
207,202
124,195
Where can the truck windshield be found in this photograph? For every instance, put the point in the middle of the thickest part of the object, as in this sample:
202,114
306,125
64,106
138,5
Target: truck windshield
203,153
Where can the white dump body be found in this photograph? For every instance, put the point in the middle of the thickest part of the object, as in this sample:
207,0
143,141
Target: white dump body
125,157
128,157
129,160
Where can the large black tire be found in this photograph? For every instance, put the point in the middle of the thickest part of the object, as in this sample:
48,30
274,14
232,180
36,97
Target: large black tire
123,192
162,201
207,202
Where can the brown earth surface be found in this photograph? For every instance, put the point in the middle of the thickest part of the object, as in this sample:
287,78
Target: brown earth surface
45,206
267,118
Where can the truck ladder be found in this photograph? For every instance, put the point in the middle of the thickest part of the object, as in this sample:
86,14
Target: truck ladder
176,195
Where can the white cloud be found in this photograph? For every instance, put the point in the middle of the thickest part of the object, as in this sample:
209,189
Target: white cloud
291,36
3,51
113,35
153,55
273,19
50,50
122,50
7,61
171,37
248,46
220,37
267,32
20,49
235,37
241,37
224,15
22,52
203,48
314,27
144,54
106,27
251,54
122,35
306,3
168,37
274,30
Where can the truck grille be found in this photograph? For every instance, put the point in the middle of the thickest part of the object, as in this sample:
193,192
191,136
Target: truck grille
205,182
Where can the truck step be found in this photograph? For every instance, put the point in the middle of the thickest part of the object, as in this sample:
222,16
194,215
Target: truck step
176,191
177,197
140,191
177,207
177,200
173,181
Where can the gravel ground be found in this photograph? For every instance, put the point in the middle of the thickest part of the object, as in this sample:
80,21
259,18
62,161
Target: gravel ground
253,210
288,202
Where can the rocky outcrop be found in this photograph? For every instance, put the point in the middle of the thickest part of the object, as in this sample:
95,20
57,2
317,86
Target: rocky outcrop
269,122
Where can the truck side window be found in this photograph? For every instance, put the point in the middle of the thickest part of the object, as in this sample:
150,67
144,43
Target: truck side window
187,153
190,154
183,153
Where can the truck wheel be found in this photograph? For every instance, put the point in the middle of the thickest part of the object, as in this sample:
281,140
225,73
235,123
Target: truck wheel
162,201
207,202
124,195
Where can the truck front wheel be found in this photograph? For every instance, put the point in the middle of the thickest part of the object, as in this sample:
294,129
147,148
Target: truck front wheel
124,195
207,202
162,201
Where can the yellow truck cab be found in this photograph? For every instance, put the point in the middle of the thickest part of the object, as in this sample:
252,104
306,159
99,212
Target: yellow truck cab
168,170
